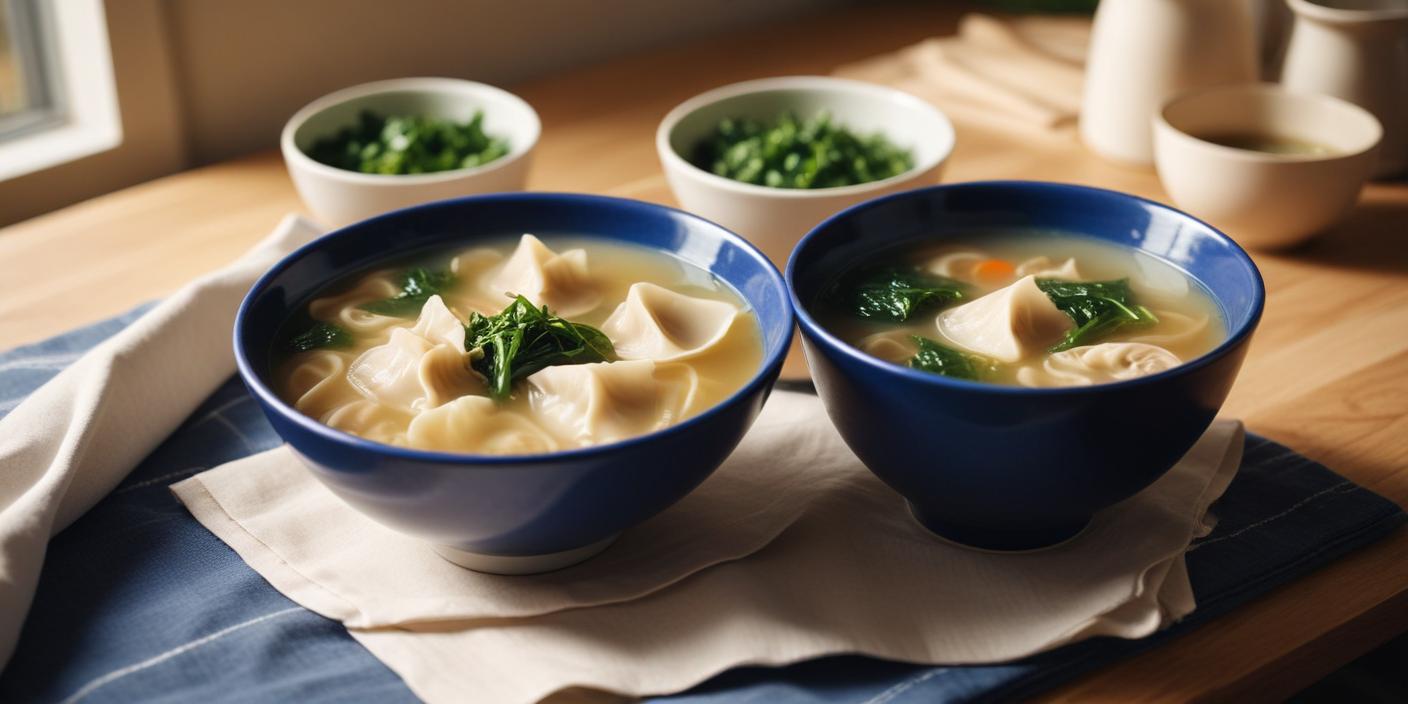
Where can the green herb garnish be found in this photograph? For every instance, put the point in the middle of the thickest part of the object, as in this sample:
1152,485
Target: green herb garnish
794,153
895,294
524,339
417,286
935,358
1099,308
408,145
320,335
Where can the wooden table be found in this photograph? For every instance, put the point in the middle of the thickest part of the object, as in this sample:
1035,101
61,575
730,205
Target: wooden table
1327,373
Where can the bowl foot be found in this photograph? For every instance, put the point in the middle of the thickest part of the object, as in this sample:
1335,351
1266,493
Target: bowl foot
522,564
1033,537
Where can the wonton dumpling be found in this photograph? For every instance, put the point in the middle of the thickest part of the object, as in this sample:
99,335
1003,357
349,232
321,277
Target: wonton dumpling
438,325
558,281
318,383
657,323
1043,267
410,373
1094,364
892,346
956,265
344,309
477,425
1173,329
590,404
370,420
1007,324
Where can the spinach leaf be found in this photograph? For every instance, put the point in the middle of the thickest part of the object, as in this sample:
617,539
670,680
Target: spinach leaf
1099,308
895,294
524,339
789,152
935,358
417,286
408,144
320,335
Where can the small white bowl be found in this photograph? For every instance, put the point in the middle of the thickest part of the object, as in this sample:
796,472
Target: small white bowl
1262,199
774,219
339,197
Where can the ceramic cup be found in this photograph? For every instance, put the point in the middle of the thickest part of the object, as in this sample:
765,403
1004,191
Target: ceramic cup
1263,199
1356,50
1144,51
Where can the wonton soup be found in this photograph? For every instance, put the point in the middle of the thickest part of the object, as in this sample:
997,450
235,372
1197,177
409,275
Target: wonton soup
519,347
1025,309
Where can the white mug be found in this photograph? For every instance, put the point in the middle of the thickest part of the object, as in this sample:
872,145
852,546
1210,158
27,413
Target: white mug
1356,50
1142,52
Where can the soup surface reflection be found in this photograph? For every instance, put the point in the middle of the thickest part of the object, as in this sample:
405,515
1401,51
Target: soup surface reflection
1032,309
519,346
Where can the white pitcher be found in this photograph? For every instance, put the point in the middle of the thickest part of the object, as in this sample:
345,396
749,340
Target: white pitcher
1143,52
1356,50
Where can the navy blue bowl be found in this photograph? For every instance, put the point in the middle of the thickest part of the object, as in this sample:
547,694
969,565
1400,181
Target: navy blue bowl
1005,467
529,512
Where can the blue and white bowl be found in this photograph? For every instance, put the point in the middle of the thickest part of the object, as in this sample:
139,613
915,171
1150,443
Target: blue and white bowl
1006,467
525,513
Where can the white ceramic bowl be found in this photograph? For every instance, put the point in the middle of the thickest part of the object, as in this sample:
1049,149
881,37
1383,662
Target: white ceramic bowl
1262,199
774,219
339,197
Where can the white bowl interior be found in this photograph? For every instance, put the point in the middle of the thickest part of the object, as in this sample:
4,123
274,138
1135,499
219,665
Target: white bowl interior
1268,111
1361,5
504,115
906,121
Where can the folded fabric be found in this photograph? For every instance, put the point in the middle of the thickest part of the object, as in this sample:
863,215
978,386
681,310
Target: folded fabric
833,564
137,601
1023,74
76,437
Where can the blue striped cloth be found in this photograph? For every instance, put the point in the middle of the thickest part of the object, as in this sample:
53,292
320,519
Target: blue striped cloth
138,602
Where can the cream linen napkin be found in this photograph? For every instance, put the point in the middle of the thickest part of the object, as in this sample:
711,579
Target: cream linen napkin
74,439
1026,73
830,563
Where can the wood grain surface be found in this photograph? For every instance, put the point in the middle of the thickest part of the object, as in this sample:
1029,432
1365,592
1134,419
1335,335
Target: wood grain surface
1327,373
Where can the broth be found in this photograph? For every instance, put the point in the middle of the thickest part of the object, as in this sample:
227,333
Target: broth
1012,336
1267,143
401,378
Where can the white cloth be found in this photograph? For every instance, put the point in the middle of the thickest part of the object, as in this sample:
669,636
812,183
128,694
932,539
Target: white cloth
792,550
74,439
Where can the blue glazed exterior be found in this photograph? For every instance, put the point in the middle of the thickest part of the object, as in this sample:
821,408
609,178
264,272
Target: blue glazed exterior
1006,467
530,504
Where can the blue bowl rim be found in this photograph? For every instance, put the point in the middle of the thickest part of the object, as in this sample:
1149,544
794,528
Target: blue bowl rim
810,325
269,399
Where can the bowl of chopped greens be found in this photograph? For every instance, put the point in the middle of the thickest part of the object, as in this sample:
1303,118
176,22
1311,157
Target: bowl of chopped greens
771,158
381,146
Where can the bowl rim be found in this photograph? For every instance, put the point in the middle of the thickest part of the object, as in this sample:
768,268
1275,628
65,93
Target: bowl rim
1345,15
816,84
771,362
811,326
1275,92
428,84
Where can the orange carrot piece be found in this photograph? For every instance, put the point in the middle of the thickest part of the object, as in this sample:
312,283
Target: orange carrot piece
994,270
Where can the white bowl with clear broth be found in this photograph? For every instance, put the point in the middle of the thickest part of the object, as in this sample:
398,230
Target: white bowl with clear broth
1270,167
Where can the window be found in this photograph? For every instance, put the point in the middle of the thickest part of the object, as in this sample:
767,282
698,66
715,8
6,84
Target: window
25,98
57,97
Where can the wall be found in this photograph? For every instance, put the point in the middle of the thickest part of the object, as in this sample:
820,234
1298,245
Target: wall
204,80
153,143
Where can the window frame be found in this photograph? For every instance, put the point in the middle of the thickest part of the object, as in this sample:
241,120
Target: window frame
36,76
78,114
